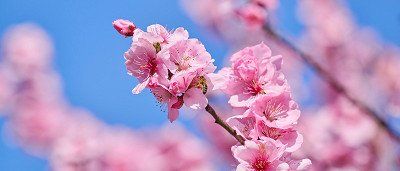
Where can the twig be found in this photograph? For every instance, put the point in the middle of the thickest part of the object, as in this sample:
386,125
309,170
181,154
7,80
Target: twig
324,74
224,125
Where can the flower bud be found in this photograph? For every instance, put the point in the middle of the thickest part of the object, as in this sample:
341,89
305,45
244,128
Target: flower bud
124,27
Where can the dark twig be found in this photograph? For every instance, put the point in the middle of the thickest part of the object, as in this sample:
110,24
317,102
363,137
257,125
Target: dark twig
224,125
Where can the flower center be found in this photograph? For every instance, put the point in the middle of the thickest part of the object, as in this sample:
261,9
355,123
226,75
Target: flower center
254,88
260,164
184,63
150,66
273,133
274,110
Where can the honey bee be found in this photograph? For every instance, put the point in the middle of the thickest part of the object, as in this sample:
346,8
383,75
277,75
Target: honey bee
202,83
204,88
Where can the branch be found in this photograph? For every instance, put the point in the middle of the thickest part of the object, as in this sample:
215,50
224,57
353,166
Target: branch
325,75
224,125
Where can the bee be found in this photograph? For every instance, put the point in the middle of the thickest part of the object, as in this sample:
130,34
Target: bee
202,83
157,46
204,88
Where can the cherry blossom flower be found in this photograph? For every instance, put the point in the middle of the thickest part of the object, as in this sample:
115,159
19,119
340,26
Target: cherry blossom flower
159,36
253,129
253,72
265,154
258,155
189,63
143,63
277,110
188,55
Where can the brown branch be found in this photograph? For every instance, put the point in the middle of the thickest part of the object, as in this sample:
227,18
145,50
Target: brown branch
325,75
224,125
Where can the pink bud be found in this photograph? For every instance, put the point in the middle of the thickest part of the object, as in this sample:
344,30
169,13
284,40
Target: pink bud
124,27
252,14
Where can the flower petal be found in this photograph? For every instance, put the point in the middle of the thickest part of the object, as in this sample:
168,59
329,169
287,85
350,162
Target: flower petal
173,114
140,86
195,99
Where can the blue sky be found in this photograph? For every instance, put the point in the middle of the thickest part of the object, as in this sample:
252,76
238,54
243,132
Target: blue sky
89,52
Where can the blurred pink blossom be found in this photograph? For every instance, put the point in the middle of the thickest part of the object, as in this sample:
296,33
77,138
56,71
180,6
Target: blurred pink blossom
27,47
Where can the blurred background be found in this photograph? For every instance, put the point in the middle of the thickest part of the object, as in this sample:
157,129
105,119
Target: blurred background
88,55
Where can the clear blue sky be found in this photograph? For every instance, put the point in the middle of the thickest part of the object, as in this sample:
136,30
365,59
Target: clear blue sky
89,52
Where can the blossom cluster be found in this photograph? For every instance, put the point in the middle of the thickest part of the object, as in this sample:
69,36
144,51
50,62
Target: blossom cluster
174,67
41,121
267,115
179,70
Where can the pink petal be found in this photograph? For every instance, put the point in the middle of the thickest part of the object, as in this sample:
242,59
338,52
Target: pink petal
195,99
140,87
179,34
173,114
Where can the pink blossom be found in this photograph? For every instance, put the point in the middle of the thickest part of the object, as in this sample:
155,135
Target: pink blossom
193,98
253,72
80,146
244,125
250,128
188,55
143,63
126,150
173,103
266,154
124,27
209,12
188,63
28,48
252,14
277,110
181,150
37,127
259,155
353,137
159,36
289,137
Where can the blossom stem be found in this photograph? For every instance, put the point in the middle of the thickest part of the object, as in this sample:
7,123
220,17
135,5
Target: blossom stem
327,76
224,125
